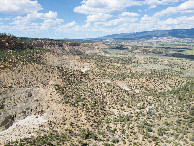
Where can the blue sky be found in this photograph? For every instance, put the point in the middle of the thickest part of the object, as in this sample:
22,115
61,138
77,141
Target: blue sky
60,19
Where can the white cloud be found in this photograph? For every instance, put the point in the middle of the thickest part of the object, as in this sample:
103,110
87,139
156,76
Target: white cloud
36,15
87,25
71,24
17,7
149,23
89,7
120,21
152,6
148,19
125,17
159,2
69,27
180,22
116,22
186,7
99,13
51,23
128,14
98,17
31,21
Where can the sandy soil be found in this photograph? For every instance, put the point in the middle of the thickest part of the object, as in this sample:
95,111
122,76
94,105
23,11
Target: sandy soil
123,85
68,61
23,128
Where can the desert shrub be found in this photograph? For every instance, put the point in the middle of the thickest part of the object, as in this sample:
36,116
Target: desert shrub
161,131
115,140
149,129
85,133
12,43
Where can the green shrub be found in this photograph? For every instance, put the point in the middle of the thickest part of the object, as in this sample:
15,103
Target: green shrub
85,133
115,140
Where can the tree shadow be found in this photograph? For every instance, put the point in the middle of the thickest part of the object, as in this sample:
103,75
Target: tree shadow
178,55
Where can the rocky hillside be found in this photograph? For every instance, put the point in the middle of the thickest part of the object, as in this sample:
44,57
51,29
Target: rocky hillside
58,93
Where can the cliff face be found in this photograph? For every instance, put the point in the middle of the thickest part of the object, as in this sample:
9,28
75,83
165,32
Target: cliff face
24,91
18,106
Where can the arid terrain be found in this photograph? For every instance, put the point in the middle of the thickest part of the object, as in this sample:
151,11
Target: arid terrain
92,93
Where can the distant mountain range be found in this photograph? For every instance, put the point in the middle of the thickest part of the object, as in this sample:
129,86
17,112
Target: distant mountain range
178,33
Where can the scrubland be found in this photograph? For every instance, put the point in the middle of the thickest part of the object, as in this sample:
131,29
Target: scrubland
53,96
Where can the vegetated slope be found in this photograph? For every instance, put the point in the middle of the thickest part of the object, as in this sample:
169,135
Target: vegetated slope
28,74
178,33
111,103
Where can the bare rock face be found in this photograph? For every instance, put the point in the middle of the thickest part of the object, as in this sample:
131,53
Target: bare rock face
24,92
74,49
25,112
18,106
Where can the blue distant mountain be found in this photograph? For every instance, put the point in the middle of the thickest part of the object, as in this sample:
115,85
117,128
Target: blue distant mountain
178,33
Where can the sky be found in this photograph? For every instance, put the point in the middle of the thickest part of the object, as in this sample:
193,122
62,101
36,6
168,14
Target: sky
79,19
